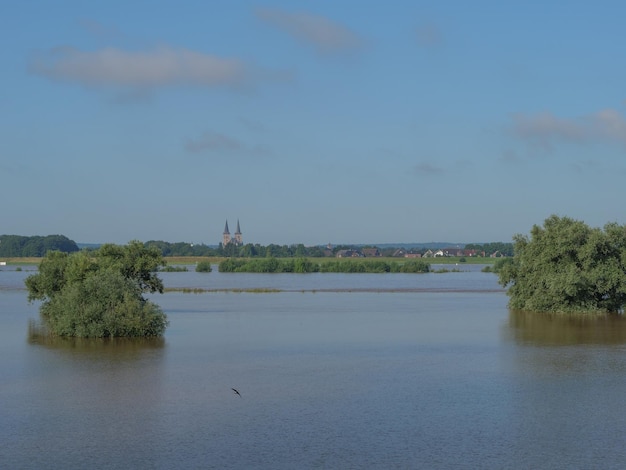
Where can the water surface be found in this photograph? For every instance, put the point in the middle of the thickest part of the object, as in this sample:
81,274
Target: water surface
442,375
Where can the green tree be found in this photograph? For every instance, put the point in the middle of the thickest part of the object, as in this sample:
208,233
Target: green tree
100,294
36,246
566,266
135,262
203,267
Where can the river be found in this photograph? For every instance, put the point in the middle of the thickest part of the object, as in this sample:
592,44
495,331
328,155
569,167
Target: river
334,371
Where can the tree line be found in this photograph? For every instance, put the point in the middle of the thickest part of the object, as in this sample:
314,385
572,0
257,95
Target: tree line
17,246
256,250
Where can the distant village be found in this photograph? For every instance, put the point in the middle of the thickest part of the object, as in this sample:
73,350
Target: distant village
402,253
491,250
232,245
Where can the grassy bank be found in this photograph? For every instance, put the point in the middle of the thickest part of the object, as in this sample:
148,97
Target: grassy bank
21,261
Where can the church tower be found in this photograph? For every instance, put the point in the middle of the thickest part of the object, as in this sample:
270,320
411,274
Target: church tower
236,240
238,236
226,236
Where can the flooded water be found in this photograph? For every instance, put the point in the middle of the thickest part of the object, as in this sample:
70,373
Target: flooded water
335,371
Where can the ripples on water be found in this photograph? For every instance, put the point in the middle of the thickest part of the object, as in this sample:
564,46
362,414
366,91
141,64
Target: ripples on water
440,375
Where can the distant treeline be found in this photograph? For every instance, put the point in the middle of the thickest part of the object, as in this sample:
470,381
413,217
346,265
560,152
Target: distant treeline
299,250
305,265
17,246
14,246
245,251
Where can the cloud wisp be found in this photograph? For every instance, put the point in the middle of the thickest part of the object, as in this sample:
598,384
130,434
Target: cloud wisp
428,35
218,143
325,35
425,168
162,67
545,130
99,30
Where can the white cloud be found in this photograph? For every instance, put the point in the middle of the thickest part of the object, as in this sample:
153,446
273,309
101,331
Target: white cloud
546,130
165,66
322,33
609,124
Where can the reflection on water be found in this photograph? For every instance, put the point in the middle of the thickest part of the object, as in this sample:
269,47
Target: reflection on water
557,329
119,347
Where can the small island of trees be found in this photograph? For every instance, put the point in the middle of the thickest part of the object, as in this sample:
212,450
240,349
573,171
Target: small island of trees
99,294
305,265
568,267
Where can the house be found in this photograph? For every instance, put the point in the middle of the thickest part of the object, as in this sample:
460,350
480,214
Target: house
412,255
399,253
370,252
349,254
429,254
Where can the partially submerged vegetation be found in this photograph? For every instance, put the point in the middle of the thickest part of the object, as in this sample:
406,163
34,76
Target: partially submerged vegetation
568,267
174,269
204,267
305,265
497,266
100,294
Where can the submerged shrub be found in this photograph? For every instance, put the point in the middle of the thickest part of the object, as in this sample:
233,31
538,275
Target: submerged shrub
203,267
567,267
100,295
106,304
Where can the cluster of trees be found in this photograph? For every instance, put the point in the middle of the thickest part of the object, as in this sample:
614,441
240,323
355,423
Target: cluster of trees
100,294
16,246
305,265
231,250
568,267
204,267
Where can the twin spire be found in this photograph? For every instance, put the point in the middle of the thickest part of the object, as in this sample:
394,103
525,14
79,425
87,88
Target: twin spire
237,240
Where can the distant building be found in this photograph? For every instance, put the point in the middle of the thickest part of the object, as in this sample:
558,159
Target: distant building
349,254
237,240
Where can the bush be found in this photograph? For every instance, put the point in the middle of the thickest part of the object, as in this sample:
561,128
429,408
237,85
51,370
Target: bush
174,269
106,304
567,267
100,295
415,266
203,267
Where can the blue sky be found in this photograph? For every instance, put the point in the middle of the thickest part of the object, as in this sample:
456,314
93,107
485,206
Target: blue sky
310,122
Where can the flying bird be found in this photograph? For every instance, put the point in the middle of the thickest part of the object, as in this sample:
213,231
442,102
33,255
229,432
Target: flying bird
236,391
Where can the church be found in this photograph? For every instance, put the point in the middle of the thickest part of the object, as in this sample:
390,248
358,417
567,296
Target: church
236,240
